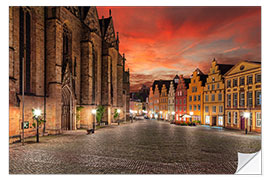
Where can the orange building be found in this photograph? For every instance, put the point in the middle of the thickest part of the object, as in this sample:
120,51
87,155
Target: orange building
150,109
214,94
163,102
195,96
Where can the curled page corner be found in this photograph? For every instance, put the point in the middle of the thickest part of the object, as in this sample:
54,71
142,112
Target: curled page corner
249,163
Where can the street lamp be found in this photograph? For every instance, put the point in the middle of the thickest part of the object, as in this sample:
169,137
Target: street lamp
37,113
246,115
94,112
191,113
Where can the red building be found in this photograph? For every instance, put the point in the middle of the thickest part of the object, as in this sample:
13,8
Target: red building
181,99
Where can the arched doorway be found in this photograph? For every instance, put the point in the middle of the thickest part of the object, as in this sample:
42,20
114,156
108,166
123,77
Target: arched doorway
67,109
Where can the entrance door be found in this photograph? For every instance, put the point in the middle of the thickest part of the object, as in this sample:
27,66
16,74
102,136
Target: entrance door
242,122
66,118
214,120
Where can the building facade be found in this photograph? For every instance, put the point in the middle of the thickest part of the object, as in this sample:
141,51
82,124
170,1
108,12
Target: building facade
163,102
181,99
171,102
195,96
243,96
63,58
214,92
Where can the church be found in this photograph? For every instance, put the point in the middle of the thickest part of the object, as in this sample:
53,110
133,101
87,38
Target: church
66,62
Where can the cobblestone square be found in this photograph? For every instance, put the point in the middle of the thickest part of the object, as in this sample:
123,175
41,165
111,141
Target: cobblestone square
142,147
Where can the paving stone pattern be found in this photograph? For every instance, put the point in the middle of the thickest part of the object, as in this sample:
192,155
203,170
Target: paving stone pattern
142,147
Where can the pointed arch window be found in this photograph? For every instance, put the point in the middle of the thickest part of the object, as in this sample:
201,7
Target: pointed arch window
25,49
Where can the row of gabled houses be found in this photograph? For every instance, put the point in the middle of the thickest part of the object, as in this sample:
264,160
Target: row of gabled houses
228,96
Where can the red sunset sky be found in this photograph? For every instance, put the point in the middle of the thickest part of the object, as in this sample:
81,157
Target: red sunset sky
160,42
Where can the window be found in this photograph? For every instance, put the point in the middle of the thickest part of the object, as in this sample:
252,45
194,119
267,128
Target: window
185,109
208,87
242,81
213,71
229,100
195,108
257,78
199,107
185,101
229,117
258,98
242,99
219,97
25,49
220,109
228,83
180,93
199,97
249,99
258,119
234,82
217,85
206,109
213,87
214,109
220,120
176,102
190,98
213,97
180,101
180,108
235,117
206,98
190,107
195,98
234,99
250,79
213,79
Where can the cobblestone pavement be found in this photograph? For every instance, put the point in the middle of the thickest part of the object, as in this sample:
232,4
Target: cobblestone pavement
143,147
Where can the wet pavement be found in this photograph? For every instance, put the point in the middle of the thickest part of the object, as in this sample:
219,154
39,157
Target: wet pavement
142,147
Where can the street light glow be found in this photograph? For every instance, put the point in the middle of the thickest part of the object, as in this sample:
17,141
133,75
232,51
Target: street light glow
37,112
173,113
160,112
94,111
191,113
118,110
246,114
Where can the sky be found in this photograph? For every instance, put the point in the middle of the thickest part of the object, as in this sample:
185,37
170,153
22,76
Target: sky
160,42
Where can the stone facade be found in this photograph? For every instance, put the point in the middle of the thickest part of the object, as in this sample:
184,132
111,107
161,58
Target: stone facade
69,58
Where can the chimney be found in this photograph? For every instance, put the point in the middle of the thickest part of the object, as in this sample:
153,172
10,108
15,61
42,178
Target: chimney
110,12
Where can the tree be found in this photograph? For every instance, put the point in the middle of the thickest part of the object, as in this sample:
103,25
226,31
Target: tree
100,112
116,114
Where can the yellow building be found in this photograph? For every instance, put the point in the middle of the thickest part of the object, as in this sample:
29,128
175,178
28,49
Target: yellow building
163,102
214,94
195,96
243,96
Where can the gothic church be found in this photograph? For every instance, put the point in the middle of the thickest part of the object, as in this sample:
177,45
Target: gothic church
63,58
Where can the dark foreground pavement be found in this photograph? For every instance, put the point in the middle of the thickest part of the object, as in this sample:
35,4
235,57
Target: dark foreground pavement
143,147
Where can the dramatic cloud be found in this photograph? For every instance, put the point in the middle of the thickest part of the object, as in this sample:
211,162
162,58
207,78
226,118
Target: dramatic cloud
160,42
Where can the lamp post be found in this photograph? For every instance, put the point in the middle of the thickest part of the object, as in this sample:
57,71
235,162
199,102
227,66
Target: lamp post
37,113
246,115
173,113
191,113
94,112
160,112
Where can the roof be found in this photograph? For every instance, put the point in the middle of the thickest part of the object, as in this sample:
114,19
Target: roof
160,84
106,24
203,79
257,62
224,68
187,81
